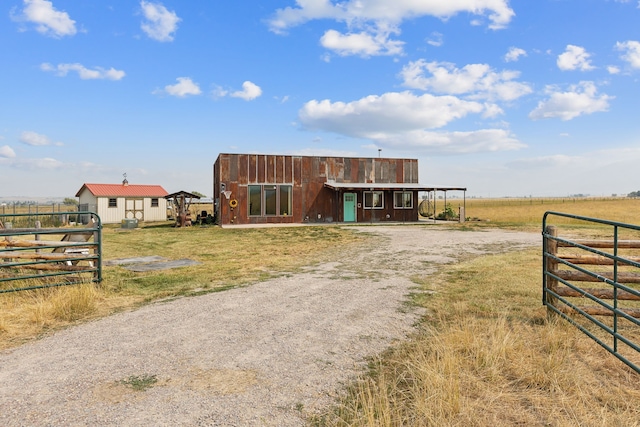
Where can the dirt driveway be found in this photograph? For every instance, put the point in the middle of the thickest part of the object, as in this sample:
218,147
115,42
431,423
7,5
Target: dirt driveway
267,354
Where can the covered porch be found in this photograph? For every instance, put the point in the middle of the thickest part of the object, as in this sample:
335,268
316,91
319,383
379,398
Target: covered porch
395,202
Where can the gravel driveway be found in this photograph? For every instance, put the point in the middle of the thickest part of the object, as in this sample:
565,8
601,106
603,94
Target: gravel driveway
268,354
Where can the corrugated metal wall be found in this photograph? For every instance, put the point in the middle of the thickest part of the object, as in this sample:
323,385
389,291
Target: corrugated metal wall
312,201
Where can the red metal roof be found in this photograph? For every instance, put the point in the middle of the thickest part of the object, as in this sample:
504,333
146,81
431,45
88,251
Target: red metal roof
119,190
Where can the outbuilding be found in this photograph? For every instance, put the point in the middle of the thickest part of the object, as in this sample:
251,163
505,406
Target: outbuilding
264,188
115,202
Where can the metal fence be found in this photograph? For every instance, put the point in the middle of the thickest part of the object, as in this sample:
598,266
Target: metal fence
42,250
594,283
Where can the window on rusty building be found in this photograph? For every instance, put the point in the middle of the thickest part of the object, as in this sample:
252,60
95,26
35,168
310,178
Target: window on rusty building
373,200
285,199
270,200
255,200
403,200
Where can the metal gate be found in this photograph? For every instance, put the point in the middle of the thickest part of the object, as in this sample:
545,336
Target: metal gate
595,283
47,250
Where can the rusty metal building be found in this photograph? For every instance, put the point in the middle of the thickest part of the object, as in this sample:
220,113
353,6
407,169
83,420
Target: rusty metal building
259,188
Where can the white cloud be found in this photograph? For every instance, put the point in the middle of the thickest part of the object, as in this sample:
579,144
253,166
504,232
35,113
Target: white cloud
580,165
407,121
612,69
575,58
281,99
249,91
362,44
83,72
44,163
477,81
357,12
436,39
47,19
631,49
552,161
183,88
7,152
483,140
36,140
514,54
578,100
371,22
393,111
160,23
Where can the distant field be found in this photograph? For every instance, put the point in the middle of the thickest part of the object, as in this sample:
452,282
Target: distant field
514,211
528,212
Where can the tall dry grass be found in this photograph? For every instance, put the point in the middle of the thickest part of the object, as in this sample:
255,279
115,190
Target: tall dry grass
27,314
529,212
487,356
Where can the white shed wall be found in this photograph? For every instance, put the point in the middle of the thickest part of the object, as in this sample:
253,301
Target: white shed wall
87,198
158,213
110,215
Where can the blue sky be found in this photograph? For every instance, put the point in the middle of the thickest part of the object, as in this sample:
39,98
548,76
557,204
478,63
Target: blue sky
507,98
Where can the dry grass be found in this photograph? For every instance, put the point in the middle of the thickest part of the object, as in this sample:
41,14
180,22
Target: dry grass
529,212
486,356
228,258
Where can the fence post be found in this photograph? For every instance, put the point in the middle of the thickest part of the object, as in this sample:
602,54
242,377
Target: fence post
37,236
551,266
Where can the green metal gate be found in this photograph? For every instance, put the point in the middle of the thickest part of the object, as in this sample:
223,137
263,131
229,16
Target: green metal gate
45,250
595,283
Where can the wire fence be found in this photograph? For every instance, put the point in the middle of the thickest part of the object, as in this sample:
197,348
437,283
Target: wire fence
50,215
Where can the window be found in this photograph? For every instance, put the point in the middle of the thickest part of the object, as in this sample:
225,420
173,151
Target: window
373,200
113,203
154,202
255,199
403,200
270,200
285,200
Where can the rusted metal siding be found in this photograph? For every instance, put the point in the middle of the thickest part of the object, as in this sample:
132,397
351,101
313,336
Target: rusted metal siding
311,200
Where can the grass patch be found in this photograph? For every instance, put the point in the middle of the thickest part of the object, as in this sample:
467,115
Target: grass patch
486,356
140,383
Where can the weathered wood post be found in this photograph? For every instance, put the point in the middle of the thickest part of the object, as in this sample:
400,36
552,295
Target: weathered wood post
97,240
551,246
37,236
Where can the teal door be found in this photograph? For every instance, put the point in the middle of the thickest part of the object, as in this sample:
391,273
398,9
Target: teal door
350,207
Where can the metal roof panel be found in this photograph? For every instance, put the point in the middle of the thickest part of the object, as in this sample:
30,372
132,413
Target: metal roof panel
120,190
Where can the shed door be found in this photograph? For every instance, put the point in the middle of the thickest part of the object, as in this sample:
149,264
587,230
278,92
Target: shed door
350,207
134,208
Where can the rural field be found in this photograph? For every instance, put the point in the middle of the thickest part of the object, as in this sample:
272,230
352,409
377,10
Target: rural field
482,351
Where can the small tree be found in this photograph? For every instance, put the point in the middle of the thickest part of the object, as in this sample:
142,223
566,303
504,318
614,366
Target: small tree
197,193
68,201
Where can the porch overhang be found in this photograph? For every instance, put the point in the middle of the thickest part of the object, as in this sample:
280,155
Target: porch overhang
377,186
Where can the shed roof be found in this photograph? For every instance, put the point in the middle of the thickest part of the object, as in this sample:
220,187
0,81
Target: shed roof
120,190
388,186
